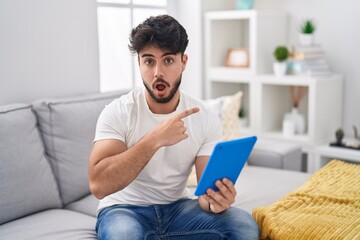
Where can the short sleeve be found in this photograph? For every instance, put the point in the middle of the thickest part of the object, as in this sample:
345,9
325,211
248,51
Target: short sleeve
112,122
212,133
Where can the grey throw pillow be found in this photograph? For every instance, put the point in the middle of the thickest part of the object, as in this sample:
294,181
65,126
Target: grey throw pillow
27,184
68,129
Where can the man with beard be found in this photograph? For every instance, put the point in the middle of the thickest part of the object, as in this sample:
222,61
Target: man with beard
145,145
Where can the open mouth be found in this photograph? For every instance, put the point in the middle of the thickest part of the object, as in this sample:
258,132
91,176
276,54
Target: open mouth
160,86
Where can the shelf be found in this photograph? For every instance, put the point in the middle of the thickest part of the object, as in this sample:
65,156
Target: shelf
294,80
229,74
230,15
241,14
321,155
339,153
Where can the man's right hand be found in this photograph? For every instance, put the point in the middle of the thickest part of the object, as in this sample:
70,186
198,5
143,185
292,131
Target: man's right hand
173,130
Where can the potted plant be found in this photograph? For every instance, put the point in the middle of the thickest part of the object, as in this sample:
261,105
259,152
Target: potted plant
307,29
281,54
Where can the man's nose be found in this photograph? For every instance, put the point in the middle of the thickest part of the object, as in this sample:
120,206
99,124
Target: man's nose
159,73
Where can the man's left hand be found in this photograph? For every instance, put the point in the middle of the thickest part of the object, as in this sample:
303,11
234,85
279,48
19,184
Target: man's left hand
221,200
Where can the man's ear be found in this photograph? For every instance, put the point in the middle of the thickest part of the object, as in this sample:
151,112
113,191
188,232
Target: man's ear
138,60
184,61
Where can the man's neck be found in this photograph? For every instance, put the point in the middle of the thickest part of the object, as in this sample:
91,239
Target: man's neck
163,108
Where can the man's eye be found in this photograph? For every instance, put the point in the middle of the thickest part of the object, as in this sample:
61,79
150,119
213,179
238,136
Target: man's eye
169,60
149,61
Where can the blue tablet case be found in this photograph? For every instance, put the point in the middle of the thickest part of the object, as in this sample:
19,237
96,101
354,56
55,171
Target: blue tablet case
226,161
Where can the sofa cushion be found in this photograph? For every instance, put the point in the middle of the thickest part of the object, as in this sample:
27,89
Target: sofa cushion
227,109
87,205
27,184
68,126
261,186
51,225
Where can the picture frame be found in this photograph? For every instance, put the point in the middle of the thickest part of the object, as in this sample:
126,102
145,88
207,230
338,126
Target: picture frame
237,57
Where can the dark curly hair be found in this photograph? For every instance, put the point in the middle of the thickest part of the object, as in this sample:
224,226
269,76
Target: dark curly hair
162,31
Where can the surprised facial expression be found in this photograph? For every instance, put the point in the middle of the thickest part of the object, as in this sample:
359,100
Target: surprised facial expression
161,73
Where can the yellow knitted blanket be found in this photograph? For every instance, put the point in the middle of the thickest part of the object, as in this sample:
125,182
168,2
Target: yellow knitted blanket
326,206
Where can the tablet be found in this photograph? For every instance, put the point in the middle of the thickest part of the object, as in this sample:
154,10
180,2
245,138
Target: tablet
226,161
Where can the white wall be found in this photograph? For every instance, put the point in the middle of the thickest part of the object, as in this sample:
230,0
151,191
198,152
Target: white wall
48,48
337,31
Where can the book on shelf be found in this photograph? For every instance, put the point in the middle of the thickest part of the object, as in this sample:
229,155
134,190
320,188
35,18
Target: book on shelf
308,60
307,52
310,67
307,55
310,48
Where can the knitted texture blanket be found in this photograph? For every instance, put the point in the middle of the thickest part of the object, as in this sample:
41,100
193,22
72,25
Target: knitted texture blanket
326,206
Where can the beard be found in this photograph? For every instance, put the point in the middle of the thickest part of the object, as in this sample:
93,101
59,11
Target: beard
172,91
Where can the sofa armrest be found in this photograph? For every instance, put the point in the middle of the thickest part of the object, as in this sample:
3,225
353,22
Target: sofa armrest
276,154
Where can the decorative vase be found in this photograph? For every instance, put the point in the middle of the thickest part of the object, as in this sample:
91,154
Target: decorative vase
288,127
280,68
244,4
297,119
306,39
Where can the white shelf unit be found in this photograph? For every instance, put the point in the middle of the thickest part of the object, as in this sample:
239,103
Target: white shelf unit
267,97
258,31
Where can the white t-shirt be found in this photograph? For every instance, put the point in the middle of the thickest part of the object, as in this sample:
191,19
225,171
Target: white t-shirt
164,178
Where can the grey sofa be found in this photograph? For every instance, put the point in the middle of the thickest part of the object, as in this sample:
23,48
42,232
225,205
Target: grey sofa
44,150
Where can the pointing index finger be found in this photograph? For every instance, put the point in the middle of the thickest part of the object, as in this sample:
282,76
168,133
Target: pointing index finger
187,113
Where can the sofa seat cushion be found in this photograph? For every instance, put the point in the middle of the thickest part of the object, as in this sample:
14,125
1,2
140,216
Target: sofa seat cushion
49,225
259,186
68,128
87,205
27,183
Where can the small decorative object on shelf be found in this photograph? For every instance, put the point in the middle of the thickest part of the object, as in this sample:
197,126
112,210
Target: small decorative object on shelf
297,119
281,54
297,93
237,57
339,135
356,133
307,29
244,4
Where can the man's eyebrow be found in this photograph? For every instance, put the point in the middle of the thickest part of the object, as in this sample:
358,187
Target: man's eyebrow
168,53
147,55
163,55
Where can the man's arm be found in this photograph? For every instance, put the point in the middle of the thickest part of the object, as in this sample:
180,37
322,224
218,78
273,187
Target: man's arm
212,201
112,166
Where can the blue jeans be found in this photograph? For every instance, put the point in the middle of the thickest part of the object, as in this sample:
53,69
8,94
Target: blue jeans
183,219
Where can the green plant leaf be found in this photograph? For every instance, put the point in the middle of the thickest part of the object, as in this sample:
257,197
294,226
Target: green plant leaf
307,26
281,53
